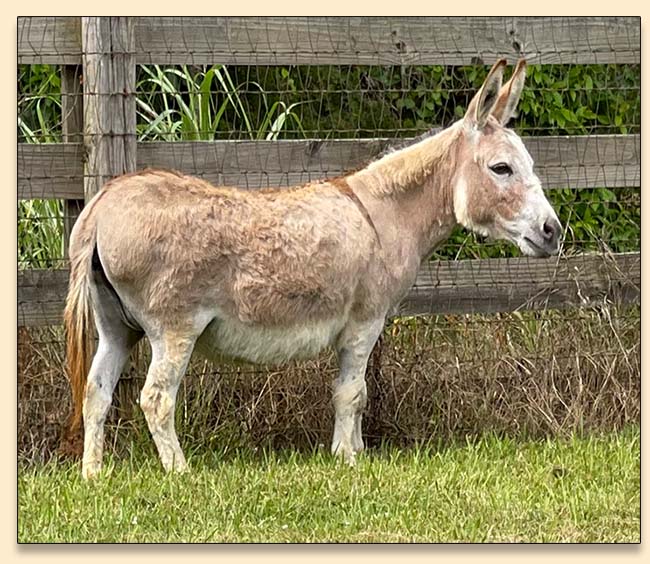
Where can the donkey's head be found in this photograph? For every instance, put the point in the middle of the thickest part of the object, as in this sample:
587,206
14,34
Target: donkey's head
496,192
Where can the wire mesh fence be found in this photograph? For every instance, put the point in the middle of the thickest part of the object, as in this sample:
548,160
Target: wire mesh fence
263,102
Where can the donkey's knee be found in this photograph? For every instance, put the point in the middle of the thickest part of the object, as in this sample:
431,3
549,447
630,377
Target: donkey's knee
350,397
158,405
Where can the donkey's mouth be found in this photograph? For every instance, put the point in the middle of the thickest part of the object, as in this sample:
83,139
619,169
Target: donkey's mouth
537,250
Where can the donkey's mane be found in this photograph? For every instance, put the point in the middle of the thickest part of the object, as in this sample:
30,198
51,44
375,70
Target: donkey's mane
403,167
404,143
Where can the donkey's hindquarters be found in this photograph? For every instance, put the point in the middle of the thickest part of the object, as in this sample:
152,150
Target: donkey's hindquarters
92,298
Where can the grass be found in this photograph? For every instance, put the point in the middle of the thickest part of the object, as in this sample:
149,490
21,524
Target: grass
490,490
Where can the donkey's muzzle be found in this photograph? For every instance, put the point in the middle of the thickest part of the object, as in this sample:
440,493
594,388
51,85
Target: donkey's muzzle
545,241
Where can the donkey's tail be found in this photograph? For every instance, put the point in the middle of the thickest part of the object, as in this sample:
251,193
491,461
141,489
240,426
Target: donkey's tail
79,328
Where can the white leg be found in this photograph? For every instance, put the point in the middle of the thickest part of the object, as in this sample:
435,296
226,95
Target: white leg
104,373
350,396
115,343
348,403
170,356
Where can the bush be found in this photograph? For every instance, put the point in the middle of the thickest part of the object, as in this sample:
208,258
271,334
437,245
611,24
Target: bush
203,103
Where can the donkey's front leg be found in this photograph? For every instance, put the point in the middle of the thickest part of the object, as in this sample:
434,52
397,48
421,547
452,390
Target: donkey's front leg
354,347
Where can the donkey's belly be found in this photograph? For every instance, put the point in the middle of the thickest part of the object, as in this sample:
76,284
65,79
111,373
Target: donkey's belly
233,339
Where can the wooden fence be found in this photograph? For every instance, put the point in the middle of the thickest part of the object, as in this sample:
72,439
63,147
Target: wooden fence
99,57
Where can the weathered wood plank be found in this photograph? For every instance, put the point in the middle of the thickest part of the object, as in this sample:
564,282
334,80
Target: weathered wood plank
53,170
575,162
387,40
109,99
561,162
353,40
469,286
41,297
49,40
72,126
503,285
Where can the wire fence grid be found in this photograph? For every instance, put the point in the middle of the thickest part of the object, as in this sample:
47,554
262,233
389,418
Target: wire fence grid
264,102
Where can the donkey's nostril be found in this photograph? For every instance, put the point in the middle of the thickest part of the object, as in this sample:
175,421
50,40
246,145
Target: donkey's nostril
549,231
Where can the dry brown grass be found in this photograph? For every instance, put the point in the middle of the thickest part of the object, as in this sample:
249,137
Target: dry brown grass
526,374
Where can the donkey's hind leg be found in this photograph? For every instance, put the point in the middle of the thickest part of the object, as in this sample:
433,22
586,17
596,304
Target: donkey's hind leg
171,353
354,347
116,340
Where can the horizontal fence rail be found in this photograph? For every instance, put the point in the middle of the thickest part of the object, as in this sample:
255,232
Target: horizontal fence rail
56,170
512,284
342,41
454,287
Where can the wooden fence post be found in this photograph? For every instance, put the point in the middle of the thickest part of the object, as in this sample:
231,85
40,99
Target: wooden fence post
108,54
72,115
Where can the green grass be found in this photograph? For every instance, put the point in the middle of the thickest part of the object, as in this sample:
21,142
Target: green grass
491,490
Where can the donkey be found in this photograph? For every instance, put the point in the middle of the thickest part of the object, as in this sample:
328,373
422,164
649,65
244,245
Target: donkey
275,274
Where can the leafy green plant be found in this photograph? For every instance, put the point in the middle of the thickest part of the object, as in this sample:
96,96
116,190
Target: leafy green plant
600,219
178,104
39,104
40,222
40,233
242,102
578,100
370,101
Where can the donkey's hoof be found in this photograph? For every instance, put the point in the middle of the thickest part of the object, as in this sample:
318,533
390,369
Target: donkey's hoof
90,471
346,454
349,459
177,467
358,447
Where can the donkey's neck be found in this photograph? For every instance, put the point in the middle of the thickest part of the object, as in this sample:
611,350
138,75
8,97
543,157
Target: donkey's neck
409,193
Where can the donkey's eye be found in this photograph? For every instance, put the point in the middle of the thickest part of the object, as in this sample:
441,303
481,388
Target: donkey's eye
501,168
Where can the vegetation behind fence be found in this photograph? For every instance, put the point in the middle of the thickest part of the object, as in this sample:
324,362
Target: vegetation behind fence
261,102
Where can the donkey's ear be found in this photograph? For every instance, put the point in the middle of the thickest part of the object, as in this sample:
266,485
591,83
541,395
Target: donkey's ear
482,104
504,109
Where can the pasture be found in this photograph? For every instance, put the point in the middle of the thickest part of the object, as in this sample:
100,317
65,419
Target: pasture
489,490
